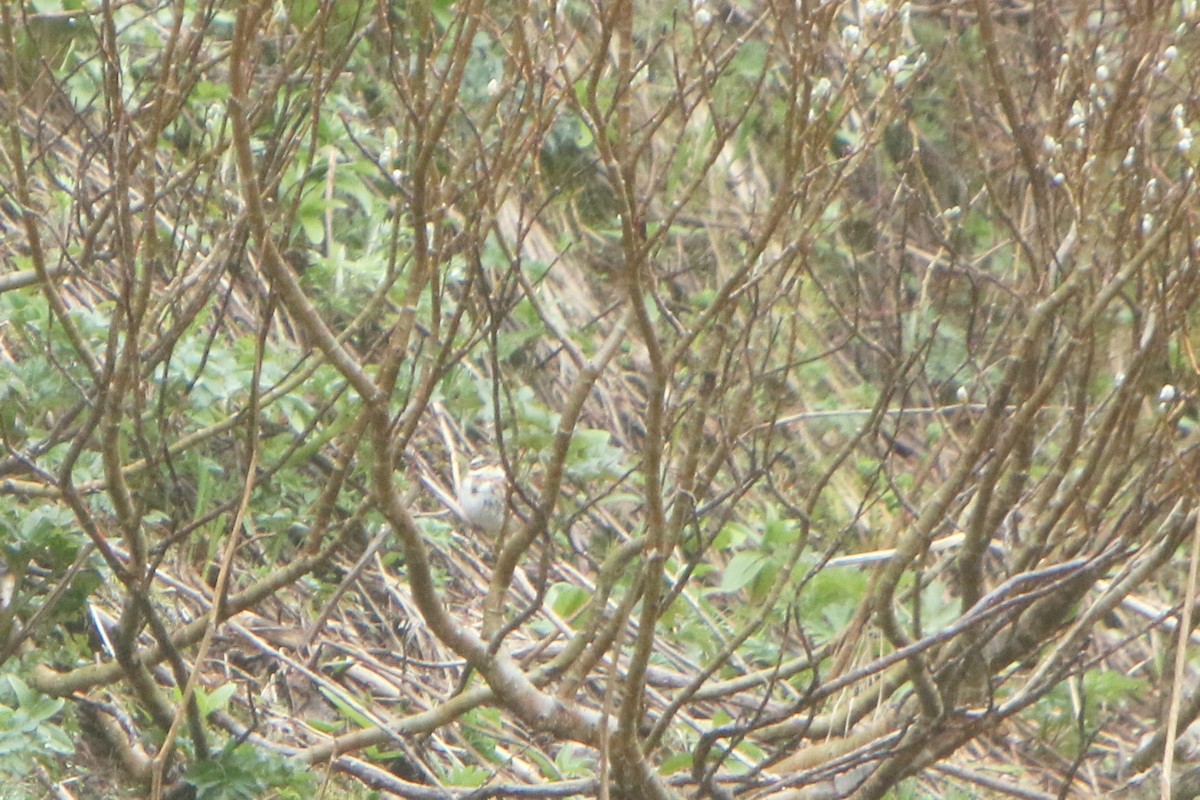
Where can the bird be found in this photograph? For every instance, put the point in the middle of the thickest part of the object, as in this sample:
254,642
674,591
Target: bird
483,495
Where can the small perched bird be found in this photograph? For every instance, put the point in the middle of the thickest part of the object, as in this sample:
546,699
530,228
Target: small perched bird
483,494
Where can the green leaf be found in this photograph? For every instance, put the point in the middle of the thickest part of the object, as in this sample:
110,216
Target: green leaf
216,699
243,772
831,598
676,763
348,710
27,736
566,599
750,60
467,775
742,569
571,763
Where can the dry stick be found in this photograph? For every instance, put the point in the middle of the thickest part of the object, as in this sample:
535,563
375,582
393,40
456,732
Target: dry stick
334,691
621,166
179,446
989,782
315,627
117,387
37,255
286,283
60,684
26,277
606,712
1185,625
514,688
509,555
222,586
15,635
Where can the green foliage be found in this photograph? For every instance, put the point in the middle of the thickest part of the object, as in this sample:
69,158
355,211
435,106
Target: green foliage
571,762
591,455
832,205
244,772
47,535
30,732
680,762
1069,710
37,382
468,776
745,568
216,700
567,599
43,533
829,600
483,729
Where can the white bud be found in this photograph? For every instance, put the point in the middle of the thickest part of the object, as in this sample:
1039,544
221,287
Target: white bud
962,395
873,8
1167,395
